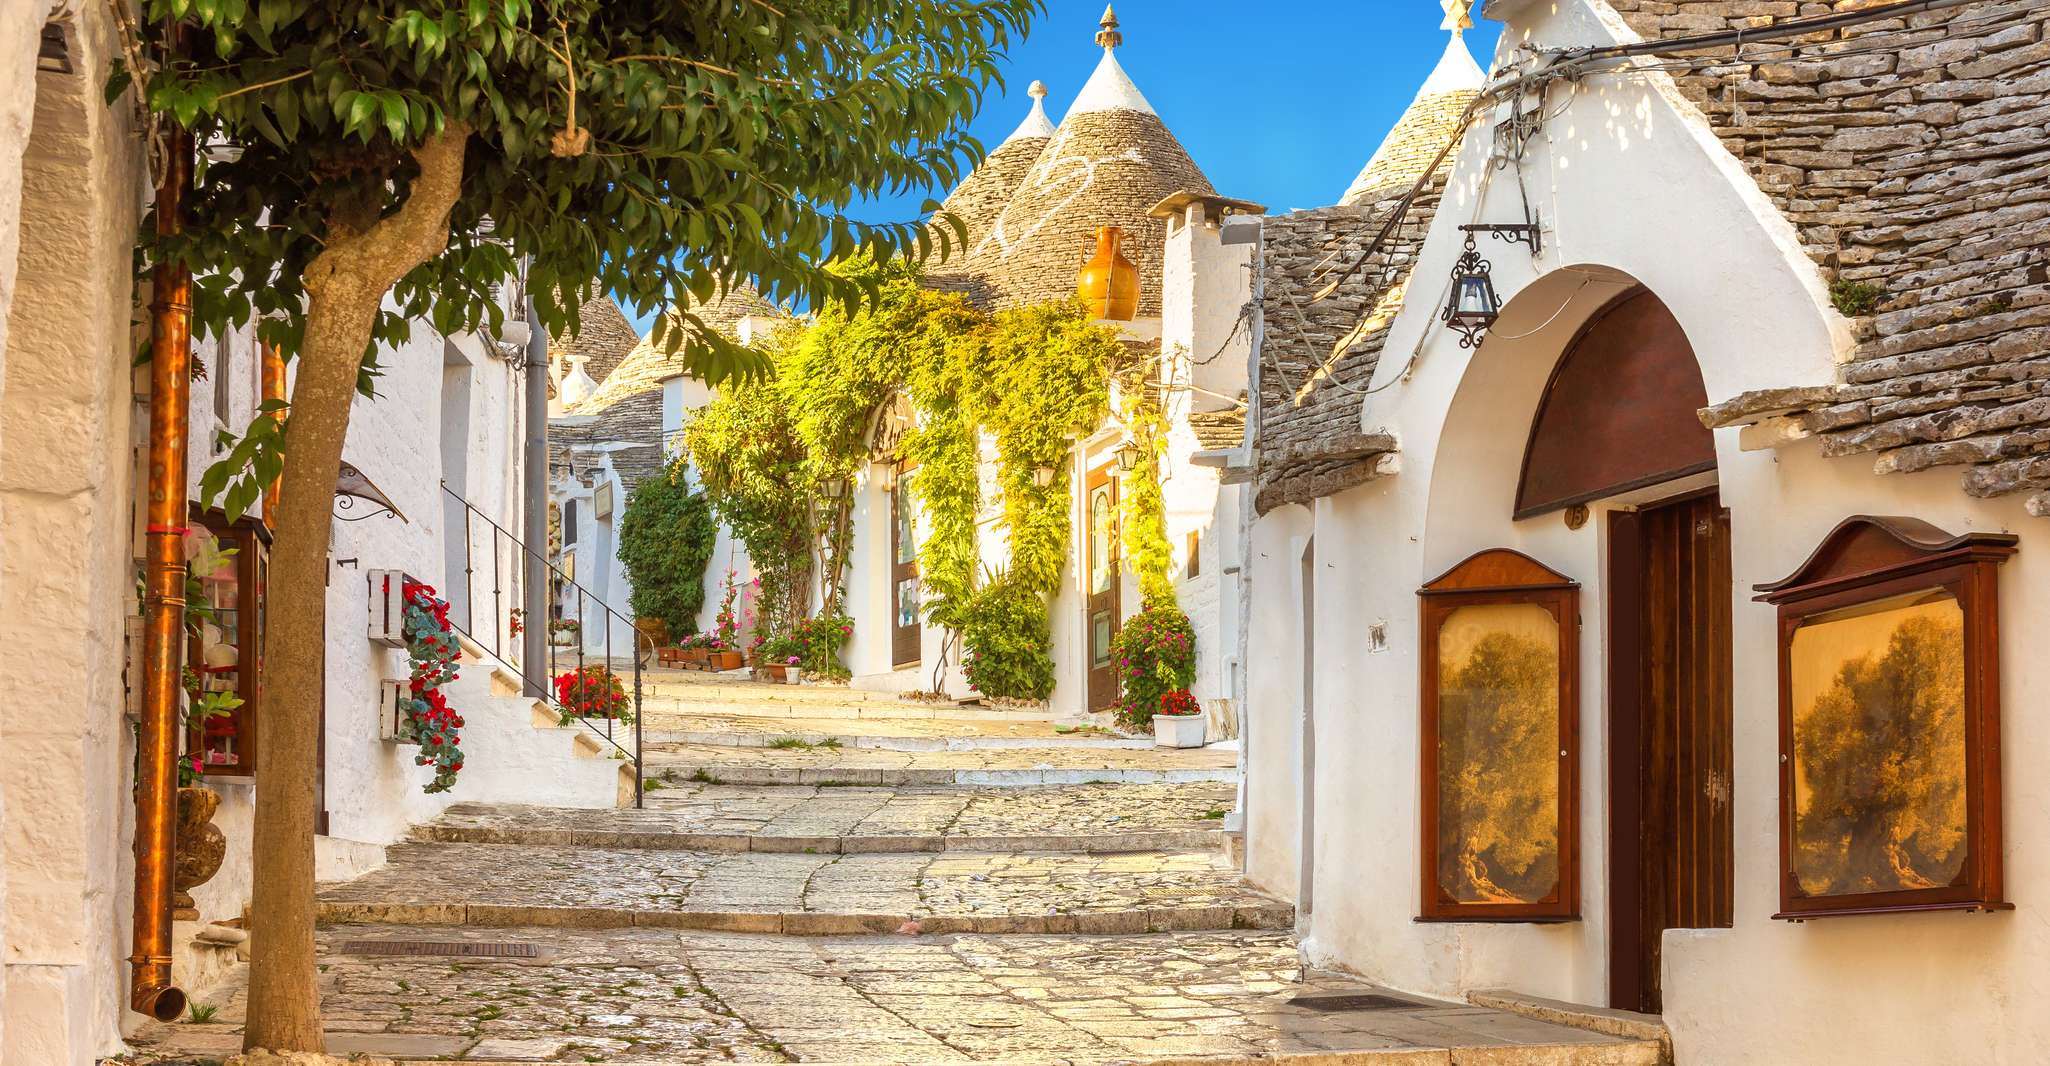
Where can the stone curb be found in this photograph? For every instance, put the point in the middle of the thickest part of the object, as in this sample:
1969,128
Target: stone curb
1070,843
858,741
914,777
1258,916
1632,1054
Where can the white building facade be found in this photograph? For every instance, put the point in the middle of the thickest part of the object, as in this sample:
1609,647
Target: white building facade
1819,250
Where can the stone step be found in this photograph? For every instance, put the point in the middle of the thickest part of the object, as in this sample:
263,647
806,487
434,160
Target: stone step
802,894
1036,765
663,996
811,736
656,702
1090,819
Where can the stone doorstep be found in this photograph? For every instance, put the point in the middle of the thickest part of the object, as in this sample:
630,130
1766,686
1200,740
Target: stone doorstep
1261,916
1070,843
1624,1024
857,741
913,777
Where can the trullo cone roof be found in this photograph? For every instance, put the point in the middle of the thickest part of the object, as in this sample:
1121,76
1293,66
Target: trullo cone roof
1110,161
1423,129
981,196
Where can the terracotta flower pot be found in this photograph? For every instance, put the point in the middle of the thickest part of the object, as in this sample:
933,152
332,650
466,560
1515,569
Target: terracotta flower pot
201,848
777,673
725,660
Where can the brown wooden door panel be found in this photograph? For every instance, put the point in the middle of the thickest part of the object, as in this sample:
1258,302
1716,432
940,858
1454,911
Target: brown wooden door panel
906,630
1101,584
1670,720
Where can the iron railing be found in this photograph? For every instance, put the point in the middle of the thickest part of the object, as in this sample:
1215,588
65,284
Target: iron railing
488,553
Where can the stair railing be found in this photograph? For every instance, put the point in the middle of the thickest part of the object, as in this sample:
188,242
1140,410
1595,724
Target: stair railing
496,633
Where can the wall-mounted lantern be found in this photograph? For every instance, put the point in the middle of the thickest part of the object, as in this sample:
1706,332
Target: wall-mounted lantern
1128,457
833,487
1042,476
1472,306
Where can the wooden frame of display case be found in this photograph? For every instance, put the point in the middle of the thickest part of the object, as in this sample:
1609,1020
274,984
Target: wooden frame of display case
251,565
1872,561
1501,577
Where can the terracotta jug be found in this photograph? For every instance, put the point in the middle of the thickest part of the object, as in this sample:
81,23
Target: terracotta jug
1109,283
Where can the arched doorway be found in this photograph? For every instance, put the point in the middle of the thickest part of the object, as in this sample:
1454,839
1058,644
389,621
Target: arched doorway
1617,422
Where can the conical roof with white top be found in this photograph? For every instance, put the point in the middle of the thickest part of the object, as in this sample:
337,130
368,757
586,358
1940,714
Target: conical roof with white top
981,196
1429,122
1109,162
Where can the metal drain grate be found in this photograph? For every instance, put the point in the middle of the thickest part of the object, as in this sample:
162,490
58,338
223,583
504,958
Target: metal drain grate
1359,1002
449,949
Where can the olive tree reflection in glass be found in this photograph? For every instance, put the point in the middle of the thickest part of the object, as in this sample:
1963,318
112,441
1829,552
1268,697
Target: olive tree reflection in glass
1498,754
1879,746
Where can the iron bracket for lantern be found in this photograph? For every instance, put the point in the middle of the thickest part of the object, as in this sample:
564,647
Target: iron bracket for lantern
1529,233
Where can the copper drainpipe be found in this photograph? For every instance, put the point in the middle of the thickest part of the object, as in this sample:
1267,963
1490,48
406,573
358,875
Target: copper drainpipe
156,776
273,389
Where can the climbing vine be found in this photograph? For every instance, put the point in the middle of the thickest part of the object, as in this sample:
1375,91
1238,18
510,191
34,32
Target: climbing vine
666,538
747,450
1020,385
1145,509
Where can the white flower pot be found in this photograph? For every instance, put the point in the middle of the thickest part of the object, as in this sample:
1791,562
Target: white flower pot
1178,730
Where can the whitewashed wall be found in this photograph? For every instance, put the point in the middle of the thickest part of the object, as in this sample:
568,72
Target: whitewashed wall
71,185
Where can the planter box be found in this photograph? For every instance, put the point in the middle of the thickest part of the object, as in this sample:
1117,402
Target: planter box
388,714
1178,730
777,673
725,660
388,607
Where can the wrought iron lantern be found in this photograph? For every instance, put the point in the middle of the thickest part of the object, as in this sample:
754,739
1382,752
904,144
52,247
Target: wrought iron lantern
1472,306
1042,476
1128,457
833,487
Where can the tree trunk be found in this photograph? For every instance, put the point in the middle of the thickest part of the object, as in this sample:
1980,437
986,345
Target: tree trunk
345,285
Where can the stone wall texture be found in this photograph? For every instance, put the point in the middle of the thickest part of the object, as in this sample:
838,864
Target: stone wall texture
66,588
1310,383
1911,155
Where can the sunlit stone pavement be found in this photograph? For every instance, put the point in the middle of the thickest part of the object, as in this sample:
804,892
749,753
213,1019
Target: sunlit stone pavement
648,996
971,900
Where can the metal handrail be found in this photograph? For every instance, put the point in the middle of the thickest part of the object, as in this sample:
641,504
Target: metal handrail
497,636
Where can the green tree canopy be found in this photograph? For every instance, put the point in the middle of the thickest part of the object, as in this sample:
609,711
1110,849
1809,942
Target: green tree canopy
666,538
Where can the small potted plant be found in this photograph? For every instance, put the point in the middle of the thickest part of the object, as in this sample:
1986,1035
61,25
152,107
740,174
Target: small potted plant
565,632
779,660
1178,722
591,692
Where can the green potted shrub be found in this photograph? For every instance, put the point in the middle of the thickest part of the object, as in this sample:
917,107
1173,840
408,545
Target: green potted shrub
779,660
1155,653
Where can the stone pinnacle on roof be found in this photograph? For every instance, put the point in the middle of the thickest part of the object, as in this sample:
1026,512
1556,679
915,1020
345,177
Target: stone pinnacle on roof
1458,16
1036,125
1109,88
1108,36
1431,120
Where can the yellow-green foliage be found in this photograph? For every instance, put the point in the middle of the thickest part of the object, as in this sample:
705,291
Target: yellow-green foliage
1046,381
1145,518
1032,378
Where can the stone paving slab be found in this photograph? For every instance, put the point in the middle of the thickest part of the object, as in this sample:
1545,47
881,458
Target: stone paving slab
1004,767
648,996
693,816
802,894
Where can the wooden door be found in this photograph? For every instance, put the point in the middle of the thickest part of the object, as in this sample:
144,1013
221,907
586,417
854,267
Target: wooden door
1100,517
905,633
1669,740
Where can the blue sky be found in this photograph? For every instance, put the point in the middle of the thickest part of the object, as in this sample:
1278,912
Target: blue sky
1279,102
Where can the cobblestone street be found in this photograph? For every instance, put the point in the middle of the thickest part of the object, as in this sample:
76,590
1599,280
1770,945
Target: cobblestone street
1027,921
